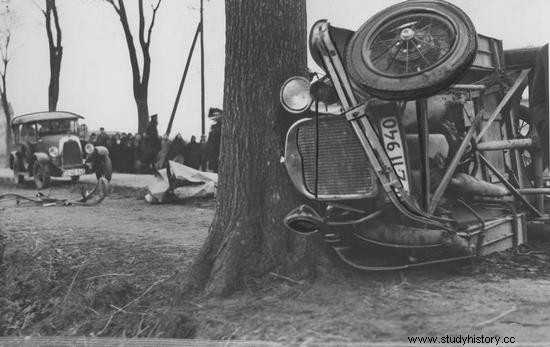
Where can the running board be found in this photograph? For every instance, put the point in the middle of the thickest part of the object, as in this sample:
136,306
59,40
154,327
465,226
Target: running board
498,235
347,255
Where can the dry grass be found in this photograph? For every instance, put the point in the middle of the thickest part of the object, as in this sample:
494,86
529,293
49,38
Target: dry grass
50,288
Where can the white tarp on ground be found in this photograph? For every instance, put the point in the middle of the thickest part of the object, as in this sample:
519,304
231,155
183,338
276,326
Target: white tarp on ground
180,182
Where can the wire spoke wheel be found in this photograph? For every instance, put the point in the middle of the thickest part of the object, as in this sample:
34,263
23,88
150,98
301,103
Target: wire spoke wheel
411,50
410,44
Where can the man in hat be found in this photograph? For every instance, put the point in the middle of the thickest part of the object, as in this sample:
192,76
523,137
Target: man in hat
102,138
151,145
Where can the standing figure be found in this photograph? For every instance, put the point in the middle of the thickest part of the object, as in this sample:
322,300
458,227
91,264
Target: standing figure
203,154
164,147
138,154
193,153
127,154
151,145
214,138
102,138
177,149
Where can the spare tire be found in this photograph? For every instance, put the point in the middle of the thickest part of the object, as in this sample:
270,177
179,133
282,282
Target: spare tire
412,50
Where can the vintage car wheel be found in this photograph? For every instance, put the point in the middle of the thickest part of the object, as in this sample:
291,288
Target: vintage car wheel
41,173
105,169
412,50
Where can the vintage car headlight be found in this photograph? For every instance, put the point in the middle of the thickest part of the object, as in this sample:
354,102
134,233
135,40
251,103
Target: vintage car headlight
53,151
89,148
295,95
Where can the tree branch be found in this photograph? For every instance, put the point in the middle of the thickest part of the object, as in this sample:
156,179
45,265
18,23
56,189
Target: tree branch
130,43
49,32
56,22
35,3
117,9
4,50
141,26
155,8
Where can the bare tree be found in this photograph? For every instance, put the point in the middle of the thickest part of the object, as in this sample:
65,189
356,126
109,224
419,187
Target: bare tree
140,76
53,31
265,44
7,23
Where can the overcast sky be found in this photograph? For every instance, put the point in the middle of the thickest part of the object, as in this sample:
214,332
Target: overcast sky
96,75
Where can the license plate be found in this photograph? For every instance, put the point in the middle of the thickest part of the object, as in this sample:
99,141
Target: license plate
73,172
394,148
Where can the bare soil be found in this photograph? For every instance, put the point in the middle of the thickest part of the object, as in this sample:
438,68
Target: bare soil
113,270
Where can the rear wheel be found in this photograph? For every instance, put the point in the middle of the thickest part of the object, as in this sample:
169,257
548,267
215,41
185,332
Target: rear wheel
412,50
41,172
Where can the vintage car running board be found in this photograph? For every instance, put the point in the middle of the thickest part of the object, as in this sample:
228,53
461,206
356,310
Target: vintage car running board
347,256
395,245
499,234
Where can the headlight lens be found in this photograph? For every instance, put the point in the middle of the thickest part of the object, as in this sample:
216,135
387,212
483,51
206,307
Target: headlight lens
295,95
53,151
89,148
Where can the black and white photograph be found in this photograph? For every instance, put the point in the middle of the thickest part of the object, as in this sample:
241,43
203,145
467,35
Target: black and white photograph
274,173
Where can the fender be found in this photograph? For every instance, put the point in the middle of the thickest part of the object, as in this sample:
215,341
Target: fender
41,157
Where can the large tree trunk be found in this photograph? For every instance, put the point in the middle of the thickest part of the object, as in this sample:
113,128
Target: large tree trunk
140,96
265,44
53,89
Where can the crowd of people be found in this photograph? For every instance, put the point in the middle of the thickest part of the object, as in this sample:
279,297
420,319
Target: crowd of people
148,152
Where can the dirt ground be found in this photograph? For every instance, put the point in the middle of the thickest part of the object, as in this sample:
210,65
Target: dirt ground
112,270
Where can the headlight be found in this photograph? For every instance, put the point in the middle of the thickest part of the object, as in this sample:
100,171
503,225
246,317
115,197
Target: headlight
295,96
89,148
53,151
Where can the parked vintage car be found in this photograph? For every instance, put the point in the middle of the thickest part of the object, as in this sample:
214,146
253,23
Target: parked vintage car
48,144
411,150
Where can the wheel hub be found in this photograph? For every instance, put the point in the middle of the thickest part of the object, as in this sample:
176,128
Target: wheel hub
407,34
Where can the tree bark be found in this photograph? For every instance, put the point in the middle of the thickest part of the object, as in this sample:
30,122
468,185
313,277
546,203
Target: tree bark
140,75
7,115
53,30
265,45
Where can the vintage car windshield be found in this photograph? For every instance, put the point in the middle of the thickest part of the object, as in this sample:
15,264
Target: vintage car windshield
57,126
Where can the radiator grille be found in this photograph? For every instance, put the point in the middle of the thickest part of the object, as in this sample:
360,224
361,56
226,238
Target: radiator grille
71,154
343,166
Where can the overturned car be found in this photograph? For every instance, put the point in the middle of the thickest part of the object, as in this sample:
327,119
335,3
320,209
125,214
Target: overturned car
47,144
416,148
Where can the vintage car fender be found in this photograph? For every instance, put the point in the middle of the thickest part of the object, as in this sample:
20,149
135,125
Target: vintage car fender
41,157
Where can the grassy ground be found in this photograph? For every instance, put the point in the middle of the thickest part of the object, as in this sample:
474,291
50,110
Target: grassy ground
113,270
